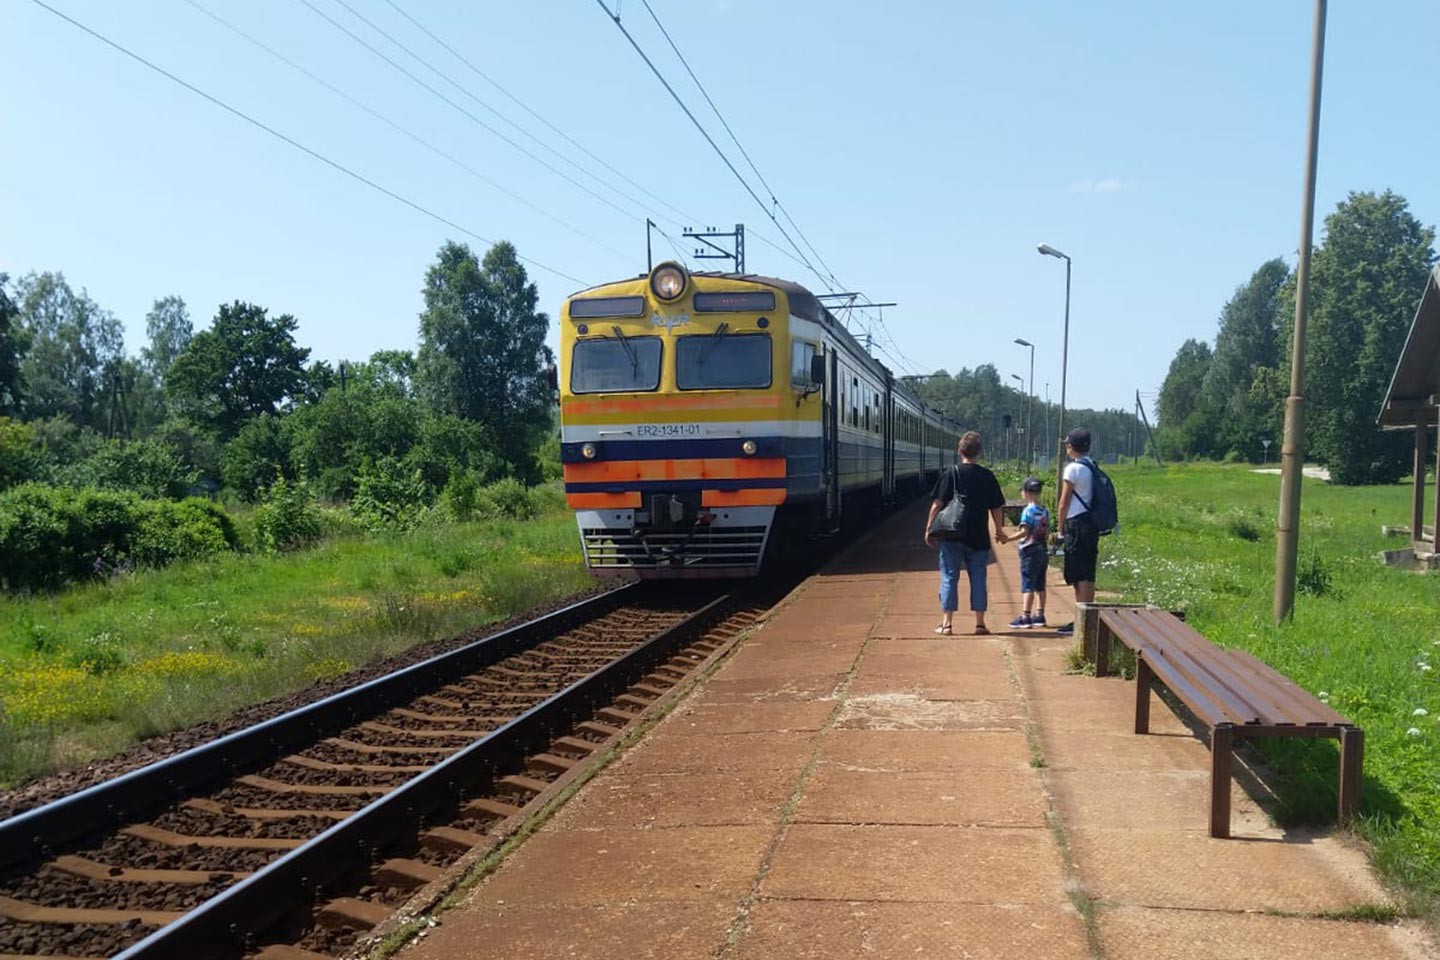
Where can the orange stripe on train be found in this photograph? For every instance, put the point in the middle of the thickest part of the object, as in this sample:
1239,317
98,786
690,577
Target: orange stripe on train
621,471
662,403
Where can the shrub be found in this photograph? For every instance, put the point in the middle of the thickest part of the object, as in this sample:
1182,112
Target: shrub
188,530
150,468
1313,576
52,535
1244,527
257,457
505,498
389,497
20,459
286,518
460,496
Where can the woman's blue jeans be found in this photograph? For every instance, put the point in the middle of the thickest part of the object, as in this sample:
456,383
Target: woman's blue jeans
955,556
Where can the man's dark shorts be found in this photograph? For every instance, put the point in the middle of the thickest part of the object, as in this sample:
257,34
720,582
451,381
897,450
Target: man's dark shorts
1082,547
1033,562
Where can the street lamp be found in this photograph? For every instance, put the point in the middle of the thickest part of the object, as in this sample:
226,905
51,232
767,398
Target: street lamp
1019,447
1029,406
1050,251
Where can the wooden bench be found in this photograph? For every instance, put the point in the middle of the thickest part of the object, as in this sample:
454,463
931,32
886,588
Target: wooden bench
1231,692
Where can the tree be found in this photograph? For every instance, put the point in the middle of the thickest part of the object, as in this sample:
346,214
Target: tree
1187,422
245,365
482,348
168,327
13,343
391,371
72,340
1180,393
1248,341
1365,279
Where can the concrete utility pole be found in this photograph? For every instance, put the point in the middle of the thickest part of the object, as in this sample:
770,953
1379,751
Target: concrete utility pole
1292,450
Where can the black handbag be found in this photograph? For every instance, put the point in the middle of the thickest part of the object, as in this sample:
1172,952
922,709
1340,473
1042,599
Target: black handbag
950,523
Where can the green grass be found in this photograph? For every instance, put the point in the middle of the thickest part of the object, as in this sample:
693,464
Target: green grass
89,670
1364,636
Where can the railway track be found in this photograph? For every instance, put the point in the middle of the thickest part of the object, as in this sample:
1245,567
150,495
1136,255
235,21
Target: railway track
297,837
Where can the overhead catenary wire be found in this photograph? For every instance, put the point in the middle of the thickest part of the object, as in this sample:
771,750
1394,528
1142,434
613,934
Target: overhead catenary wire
738,145
466,113
532,112
399,128
285,138
480,101
713,145
833,282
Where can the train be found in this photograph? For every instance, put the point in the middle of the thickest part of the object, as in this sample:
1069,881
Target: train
707,416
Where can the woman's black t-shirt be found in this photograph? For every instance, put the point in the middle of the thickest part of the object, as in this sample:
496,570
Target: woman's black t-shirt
982,494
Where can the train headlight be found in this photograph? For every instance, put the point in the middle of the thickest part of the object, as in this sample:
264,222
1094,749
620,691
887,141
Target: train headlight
588,451
668,281
748,447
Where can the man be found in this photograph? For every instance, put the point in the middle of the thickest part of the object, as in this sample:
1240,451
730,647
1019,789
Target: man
1074,526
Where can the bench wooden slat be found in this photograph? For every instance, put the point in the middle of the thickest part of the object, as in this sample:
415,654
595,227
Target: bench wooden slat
1253,703
1177,671
1277,700
1316,710
1254,695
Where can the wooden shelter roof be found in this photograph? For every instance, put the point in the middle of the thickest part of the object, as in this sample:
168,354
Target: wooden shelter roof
1415,386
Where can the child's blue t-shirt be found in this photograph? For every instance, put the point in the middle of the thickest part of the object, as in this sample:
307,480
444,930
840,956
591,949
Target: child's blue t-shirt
1037,519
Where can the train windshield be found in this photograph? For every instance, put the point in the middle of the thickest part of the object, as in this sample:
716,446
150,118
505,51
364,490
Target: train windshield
618,364
723,361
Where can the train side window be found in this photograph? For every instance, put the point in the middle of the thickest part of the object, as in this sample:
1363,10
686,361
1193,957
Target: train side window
802,352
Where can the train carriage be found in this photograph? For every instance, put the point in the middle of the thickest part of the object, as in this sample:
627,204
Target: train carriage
702,413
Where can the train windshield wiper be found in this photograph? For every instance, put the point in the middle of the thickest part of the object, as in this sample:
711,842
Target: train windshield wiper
629,351
715,339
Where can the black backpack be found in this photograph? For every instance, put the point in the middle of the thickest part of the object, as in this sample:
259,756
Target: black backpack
1102,507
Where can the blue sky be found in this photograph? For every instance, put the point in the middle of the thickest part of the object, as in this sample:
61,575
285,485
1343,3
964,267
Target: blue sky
923,148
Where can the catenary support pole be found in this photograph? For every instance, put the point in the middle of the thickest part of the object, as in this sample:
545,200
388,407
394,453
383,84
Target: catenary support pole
1292,450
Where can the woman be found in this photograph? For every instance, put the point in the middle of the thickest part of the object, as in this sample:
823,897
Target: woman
970,548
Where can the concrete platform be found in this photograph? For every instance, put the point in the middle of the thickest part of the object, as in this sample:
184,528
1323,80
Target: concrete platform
848,784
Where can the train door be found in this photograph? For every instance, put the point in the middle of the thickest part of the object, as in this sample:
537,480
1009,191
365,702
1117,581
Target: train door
832,435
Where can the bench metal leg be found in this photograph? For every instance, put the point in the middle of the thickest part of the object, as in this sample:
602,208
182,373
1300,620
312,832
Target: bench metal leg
1143,678
1222,745
1102,649
1352,771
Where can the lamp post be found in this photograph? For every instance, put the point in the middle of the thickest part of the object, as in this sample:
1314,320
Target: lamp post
1050,251
1292,447
1020,427
1029,406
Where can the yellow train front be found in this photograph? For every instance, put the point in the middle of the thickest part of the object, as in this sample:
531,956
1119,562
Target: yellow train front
701,414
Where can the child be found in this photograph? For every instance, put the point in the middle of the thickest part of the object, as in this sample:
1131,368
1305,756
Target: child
1034,532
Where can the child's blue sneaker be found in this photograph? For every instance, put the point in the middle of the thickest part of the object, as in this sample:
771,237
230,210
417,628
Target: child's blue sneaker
1038,620
1066,631
1021,622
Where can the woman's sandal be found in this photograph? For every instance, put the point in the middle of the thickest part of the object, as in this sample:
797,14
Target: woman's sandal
982,631
945,630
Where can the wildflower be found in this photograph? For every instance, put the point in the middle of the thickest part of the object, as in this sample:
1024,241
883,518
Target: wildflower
1420,712
1424,668
1413,732
1323,695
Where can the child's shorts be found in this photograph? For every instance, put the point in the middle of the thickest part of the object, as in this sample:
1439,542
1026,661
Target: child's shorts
1033,563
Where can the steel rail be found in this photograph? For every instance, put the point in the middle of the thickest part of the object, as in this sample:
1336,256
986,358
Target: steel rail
226,925
35,834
